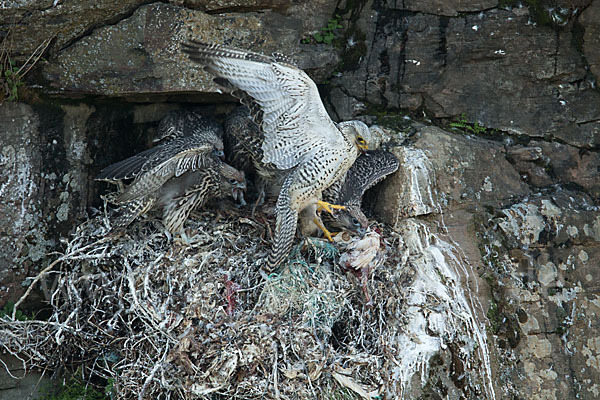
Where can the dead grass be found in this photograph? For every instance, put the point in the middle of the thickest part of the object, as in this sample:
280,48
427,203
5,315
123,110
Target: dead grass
202,321
12,76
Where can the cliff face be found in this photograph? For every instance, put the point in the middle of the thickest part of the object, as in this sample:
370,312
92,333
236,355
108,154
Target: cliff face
509,173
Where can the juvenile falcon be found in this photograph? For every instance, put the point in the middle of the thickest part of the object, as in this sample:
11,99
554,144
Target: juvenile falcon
244,139
299,133
368,170
174,125
172,174
179,196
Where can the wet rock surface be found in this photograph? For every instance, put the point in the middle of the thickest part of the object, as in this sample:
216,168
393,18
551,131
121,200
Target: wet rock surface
515,187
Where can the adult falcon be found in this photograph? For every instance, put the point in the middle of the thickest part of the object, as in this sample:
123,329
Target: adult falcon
244,139
299,134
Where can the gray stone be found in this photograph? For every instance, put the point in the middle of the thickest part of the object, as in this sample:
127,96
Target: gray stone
344,107
591,37
473,66
441,7
539,252
458,168
29,23
572,165
21,241
141,54
23,384
531,163
409,192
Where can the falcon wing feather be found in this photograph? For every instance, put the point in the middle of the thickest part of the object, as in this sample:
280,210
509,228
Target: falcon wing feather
368,170
127,168
171,165
294,119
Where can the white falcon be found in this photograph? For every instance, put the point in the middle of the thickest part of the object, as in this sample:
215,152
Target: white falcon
299,134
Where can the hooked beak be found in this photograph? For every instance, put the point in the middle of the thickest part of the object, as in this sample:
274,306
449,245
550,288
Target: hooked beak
363,148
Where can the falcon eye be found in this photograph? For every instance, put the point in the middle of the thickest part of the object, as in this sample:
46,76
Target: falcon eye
360,140
355,221
232,181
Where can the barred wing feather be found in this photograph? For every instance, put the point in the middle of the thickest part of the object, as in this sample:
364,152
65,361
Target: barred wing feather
294,119
368,170
189,159
128,168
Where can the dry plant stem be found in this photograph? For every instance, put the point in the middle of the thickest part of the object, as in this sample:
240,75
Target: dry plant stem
48,268
35,56
150,316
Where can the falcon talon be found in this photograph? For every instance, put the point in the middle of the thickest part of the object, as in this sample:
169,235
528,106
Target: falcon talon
323,205
326,233
299,136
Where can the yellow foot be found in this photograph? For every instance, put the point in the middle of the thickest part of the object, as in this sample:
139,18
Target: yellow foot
328,206
326,233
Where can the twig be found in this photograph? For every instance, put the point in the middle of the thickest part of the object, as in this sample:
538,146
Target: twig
48,268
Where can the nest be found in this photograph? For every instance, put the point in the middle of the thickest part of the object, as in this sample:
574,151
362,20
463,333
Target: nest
164,320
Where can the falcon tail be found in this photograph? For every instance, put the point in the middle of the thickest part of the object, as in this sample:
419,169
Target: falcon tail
285,228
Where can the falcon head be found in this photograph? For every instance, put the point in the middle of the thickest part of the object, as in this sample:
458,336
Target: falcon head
233,181
219,154
352,219
358,133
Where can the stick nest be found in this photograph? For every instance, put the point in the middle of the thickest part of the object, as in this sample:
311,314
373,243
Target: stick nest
166,320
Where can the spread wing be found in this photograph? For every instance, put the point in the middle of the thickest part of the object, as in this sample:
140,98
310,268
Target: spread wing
172,128
128,168
368,169
294,119
174,159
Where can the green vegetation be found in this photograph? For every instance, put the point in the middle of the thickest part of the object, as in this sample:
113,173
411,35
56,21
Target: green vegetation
464,125
389,118
11,76
7,311
327,34
494,316
75,390
11,80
